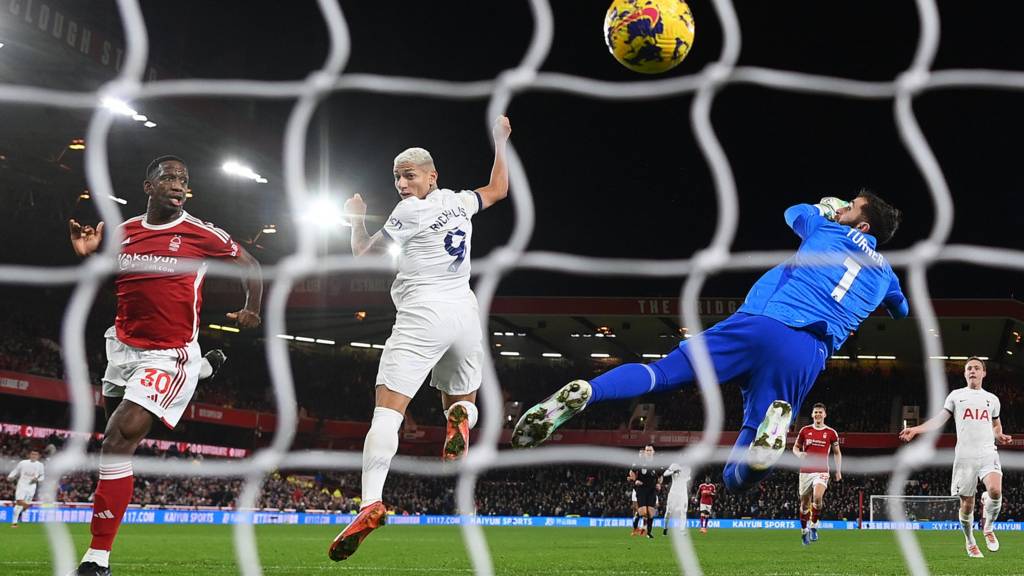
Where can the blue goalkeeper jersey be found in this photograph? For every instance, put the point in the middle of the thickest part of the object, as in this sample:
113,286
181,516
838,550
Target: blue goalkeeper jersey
829,300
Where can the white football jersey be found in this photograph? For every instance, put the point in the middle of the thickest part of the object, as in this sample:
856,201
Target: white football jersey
435,235
973,411
27,472
678,494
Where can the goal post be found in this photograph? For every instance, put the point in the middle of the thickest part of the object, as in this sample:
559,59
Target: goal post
917,508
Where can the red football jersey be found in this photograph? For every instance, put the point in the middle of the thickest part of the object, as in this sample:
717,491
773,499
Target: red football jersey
161,311
707,493
817,442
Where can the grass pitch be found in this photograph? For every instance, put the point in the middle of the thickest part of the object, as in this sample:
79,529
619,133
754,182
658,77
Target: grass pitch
174,550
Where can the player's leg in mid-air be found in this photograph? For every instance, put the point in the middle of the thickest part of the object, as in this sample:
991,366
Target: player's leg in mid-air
427,337
778,365
991,499
145,386
458,375
782,375
631,380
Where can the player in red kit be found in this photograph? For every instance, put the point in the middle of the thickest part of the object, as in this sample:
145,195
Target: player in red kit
813,443
153,359
706,492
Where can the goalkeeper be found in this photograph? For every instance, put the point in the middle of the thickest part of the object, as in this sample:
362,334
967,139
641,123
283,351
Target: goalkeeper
794,317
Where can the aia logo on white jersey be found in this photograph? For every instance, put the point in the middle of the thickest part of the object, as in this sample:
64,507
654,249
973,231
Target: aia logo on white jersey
976,414
175,244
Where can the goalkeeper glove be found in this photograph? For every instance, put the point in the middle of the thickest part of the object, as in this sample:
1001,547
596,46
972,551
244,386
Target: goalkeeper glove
829,207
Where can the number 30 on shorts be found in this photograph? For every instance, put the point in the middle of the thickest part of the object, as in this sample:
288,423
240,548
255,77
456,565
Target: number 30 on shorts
159,380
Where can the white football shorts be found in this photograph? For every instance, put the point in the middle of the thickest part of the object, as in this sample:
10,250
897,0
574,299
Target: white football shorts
967,472
809,479
26,493
677,502
161,381
705,508
442,338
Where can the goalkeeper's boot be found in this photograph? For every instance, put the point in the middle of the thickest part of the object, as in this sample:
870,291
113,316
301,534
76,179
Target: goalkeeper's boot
456,439
974,552
541,421
91,569
813,533
770,441
805,537
368,520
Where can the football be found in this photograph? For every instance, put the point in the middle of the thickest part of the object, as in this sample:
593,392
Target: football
649,36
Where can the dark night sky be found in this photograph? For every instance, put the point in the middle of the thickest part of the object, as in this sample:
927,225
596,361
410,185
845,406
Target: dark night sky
622,179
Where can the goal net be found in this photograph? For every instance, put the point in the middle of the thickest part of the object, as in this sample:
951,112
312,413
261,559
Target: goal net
914,508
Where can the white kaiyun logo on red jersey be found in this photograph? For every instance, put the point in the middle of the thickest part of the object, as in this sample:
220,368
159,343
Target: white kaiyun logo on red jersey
146,262
174,244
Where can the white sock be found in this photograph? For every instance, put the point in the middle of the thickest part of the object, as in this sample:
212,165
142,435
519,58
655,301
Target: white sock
379,448
17,513
205,369
967,523
992,506
100,557
471,411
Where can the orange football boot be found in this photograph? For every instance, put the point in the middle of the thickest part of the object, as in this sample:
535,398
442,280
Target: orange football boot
368,520
456,440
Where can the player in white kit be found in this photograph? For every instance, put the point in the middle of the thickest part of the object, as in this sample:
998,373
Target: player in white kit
678,496
976,413
437,320
28,473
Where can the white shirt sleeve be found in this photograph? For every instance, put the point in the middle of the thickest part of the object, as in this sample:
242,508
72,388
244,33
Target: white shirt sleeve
404,221
15,473
471,201
996,407
949,404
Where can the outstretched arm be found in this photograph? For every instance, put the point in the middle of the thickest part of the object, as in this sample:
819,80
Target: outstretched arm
85,239
249,315
362,242
937,421
497,188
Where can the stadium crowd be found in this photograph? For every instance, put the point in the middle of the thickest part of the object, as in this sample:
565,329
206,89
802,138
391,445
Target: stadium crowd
338,384
597,491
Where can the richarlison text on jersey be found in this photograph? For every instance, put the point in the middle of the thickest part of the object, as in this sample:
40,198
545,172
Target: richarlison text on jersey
446,216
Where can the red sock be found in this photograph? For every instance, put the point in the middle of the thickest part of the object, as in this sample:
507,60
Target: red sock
803,518
113,493
815,513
